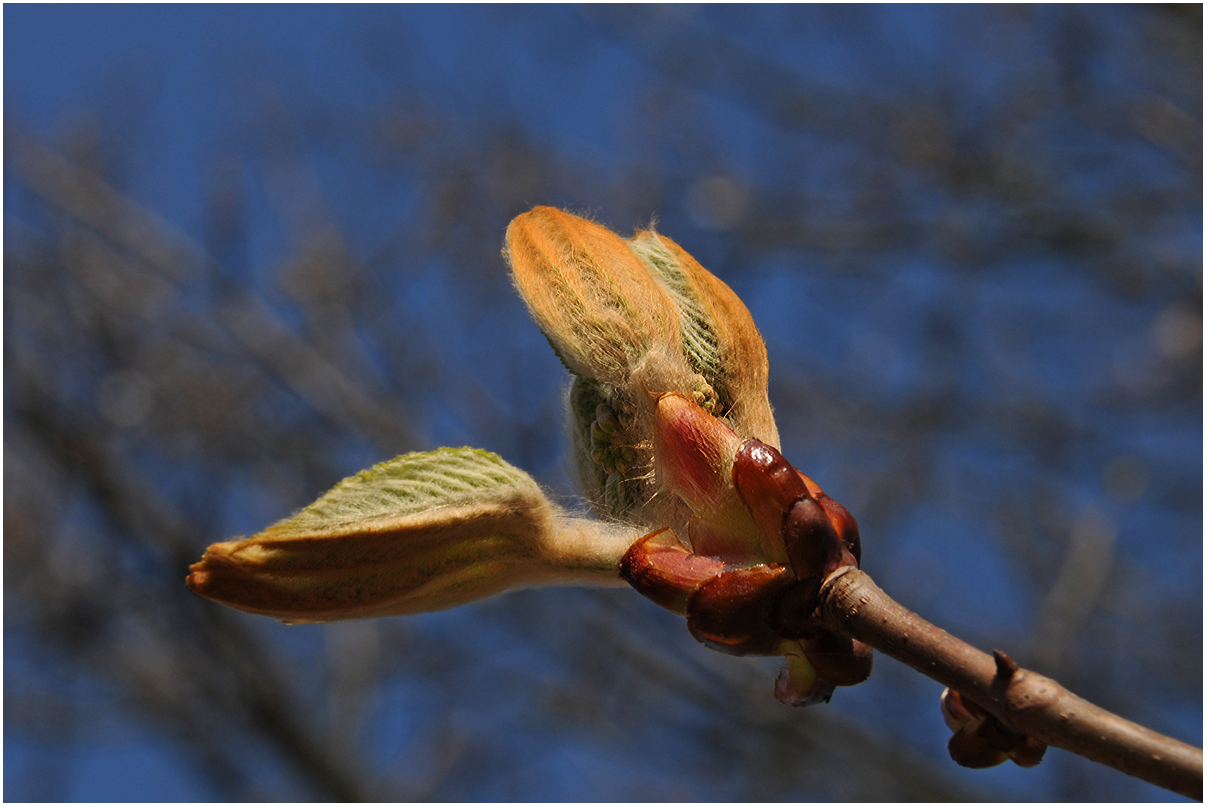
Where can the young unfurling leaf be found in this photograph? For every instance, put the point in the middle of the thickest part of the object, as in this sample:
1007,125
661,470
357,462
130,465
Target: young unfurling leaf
633,321
719,338
421,532
590,295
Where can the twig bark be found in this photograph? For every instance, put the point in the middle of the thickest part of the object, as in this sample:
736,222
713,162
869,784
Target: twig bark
851,603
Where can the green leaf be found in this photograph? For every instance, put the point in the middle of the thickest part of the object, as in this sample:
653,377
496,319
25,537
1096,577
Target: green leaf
409,484
422,532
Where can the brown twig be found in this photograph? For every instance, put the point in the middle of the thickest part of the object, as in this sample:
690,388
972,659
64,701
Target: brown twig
851,603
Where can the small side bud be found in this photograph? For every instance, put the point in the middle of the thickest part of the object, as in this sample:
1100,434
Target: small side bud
980,740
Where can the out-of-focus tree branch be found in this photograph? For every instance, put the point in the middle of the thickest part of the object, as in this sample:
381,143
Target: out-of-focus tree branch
78,193
219,639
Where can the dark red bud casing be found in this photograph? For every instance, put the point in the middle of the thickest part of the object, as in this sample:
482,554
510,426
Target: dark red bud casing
764,477
841,660
667,573
732,612
768,485
844,524
814,548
